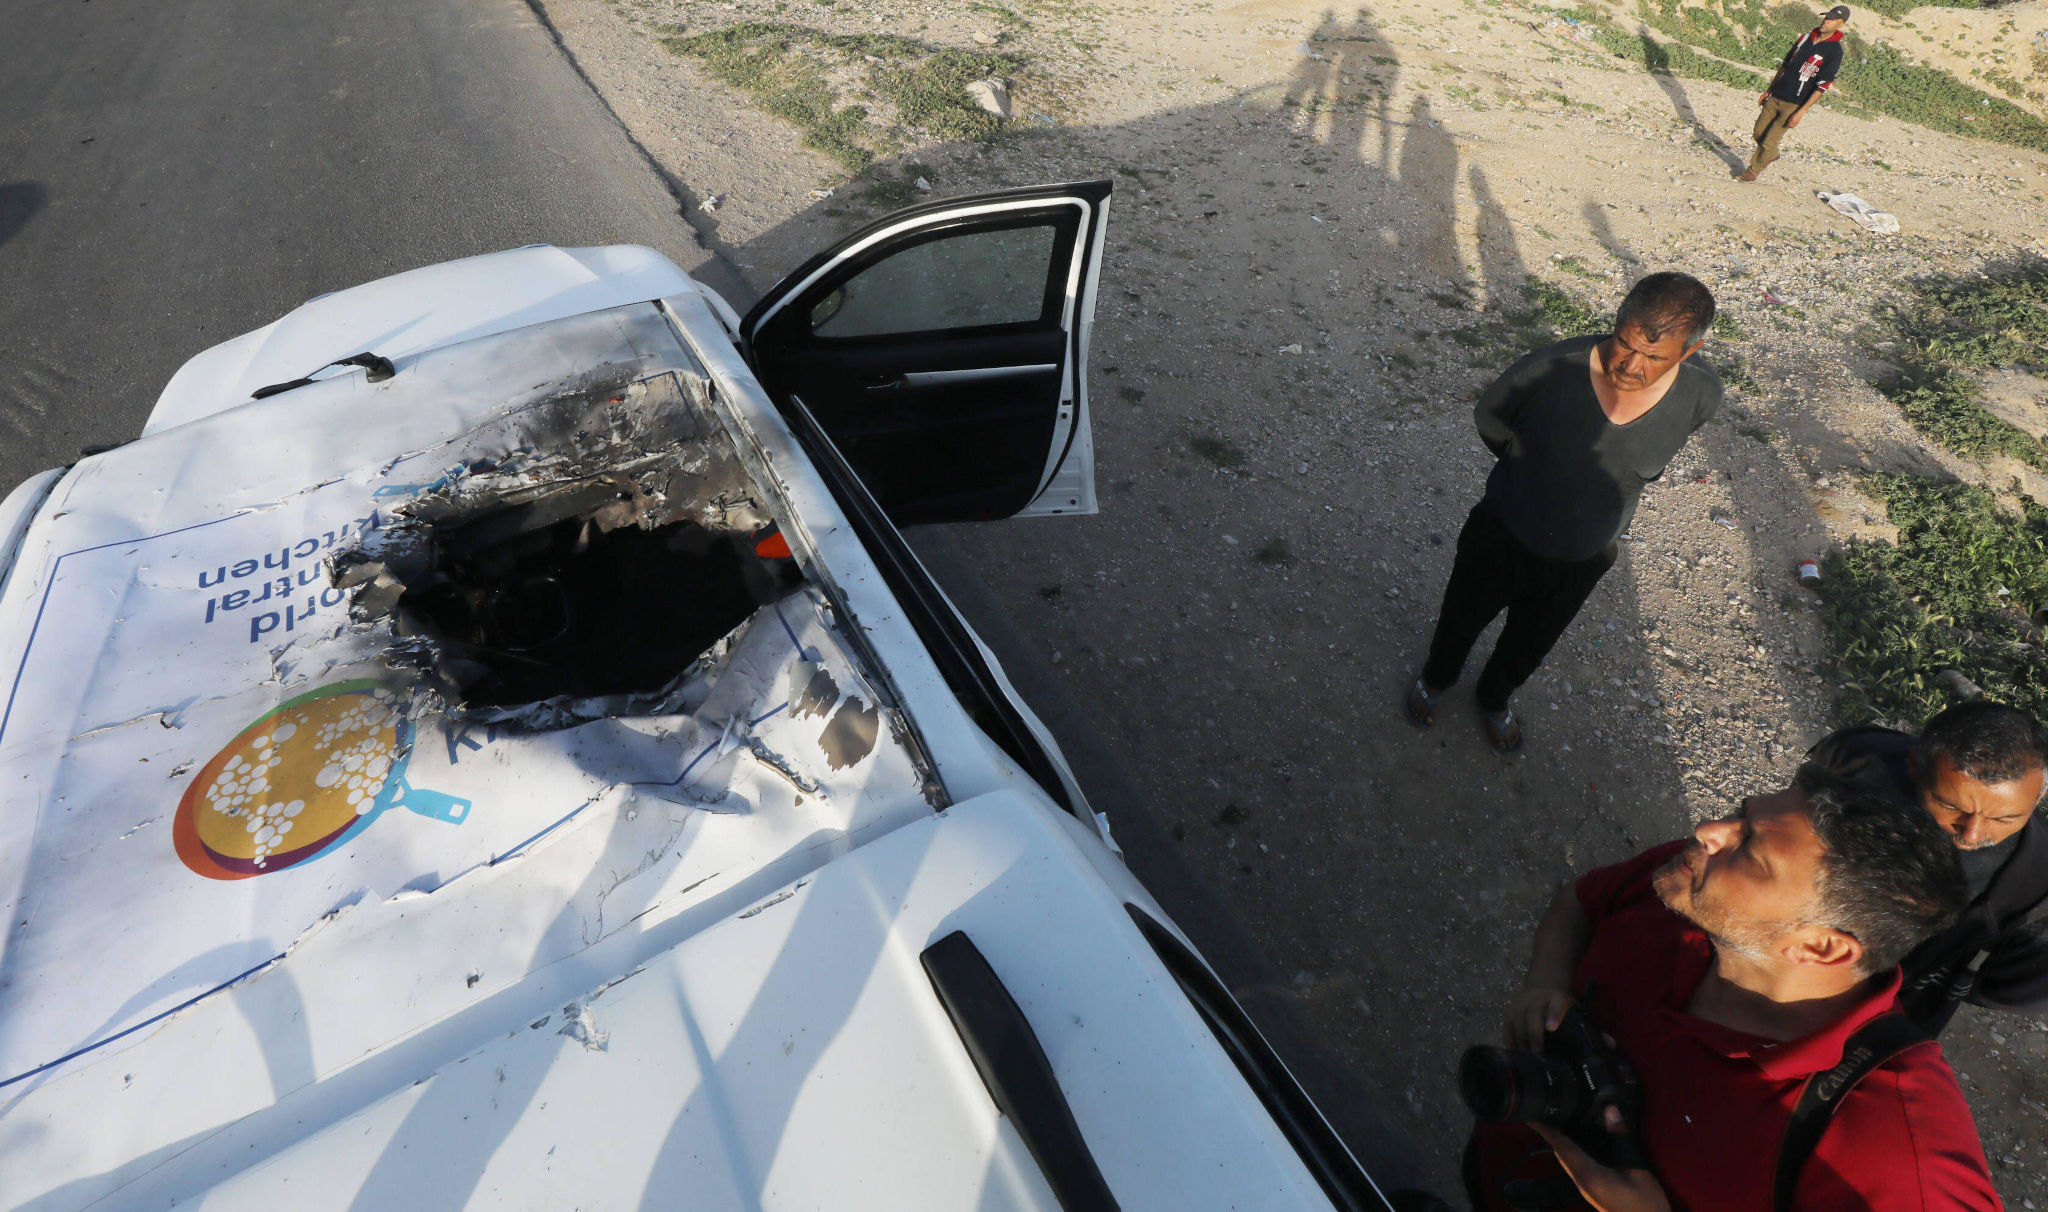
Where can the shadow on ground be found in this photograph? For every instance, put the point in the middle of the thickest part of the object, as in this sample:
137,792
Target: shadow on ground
19,202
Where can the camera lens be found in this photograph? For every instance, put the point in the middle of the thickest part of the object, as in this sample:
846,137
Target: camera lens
1519,1087
1487,1083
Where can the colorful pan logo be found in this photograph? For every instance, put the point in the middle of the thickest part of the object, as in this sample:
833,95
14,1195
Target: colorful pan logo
300,781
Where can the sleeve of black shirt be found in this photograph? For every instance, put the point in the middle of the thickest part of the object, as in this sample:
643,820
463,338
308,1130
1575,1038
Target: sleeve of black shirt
1501,402
2015,975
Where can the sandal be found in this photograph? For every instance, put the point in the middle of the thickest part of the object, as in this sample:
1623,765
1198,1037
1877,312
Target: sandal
1503,730
1421,704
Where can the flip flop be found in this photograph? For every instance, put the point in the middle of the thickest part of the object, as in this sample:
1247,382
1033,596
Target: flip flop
1421,704
1503,730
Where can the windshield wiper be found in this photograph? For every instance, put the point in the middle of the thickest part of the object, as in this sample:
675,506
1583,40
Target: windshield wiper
376,369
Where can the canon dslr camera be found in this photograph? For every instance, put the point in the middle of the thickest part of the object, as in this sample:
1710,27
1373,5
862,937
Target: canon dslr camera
1568,1086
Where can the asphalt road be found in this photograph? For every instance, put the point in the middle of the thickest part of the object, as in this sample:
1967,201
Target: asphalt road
176,172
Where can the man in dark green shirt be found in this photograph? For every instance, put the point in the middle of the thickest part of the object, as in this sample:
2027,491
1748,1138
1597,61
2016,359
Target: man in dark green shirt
1578,428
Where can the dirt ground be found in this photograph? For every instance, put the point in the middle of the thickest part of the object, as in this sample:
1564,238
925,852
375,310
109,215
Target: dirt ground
1321,217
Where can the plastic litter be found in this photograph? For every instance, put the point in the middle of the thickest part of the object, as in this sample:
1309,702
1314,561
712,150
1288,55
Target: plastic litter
1867,216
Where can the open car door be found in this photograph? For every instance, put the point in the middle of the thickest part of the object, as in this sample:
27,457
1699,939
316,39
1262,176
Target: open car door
944,350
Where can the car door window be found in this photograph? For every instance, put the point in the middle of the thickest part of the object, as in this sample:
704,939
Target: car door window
943,351
973,279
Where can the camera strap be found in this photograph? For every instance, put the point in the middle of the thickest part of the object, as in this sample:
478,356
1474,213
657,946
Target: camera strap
1869,1049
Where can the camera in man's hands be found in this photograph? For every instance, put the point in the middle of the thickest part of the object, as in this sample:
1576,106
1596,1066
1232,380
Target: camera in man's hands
1569,1086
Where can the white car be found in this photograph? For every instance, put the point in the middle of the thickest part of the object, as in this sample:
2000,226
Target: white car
486,745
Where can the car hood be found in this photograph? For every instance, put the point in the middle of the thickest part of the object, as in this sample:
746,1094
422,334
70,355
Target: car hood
231,801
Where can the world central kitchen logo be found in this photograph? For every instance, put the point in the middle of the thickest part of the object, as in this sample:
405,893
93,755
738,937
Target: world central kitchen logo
301,781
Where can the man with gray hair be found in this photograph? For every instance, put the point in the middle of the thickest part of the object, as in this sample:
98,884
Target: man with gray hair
1577,429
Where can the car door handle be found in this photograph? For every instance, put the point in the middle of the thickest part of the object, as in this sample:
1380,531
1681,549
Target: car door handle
887,383
978,374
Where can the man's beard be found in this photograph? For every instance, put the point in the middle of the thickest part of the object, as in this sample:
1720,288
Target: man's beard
1749,940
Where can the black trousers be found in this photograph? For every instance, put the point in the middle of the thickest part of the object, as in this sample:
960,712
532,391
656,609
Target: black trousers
1494,572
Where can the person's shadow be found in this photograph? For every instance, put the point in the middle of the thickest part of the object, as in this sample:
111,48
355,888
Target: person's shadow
19,202
1500,253
1681,104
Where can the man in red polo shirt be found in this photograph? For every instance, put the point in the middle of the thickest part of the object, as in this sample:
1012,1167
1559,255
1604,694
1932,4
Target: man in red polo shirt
1729,970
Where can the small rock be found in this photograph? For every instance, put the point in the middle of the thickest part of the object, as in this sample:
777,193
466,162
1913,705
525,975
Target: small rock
1291,349
710,203
922,186
991,95
1230,539
984,39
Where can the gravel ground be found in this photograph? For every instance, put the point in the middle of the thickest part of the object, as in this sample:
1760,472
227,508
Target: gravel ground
1321,229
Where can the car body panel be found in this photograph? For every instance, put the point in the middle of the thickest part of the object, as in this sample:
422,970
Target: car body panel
17,510
793,1056
415,311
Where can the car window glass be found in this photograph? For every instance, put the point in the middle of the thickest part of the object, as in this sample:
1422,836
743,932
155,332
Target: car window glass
969,280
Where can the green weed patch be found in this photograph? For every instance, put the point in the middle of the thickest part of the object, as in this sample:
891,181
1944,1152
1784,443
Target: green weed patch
1955,329
1955,591
1904,8
854,96
1882,79
1555,310
1675,59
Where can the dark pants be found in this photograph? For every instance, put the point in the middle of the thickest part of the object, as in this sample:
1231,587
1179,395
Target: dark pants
1494,572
